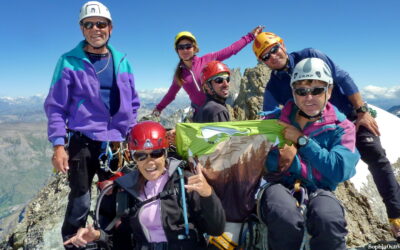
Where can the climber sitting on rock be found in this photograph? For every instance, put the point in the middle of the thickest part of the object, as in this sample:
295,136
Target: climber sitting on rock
300,178
168,206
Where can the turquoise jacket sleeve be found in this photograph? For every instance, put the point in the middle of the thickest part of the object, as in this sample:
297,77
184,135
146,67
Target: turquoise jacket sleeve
336,163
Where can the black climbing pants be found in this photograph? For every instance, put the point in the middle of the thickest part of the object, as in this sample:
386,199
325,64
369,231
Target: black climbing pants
83,165
374,156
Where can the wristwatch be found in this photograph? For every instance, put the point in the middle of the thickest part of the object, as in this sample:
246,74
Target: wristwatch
362,109
302,140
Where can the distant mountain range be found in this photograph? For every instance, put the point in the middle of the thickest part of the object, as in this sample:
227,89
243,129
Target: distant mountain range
22,109
30,109
395,110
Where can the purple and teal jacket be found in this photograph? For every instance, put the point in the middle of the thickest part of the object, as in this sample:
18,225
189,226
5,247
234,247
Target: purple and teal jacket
74,100
330,156
191,77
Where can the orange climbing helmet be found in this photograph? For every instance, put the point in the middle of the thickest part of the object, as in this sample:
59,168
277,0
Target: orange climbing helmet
264,41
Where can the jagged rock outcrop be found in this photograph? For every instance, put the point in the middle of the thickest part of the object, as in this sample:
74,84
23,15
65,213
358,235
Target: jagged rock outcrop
249,101
42,218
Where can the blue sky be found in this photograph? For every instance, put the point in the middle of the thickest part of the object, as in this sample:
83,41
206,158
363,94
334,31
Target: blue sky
360,36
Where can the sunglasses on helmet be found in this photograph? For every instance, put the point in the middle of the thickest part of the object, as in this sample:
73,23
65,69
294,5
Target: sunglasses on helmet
220,79
272,51
312,91
99,24
184,46
155,154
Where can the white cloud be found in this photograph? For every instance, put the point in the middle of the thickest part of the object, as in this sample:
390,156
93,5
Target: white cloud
384,97
374,92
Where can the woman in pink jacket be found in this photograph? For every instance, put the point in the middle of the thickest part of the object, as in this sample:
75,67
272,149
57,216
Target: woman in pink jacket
187,73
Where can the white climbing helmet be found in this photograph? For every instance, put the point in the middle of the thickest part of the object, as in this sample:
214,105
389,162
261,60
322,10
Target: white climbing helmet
94,8
311,69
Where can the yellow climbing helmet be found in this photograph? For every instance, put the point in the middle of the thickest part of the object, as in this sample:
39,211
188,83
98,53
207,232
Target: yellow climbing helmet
185,34
265,40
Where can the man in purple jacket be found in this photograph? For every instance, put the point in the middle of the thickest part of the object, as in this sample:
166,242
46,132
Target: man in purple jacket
92,94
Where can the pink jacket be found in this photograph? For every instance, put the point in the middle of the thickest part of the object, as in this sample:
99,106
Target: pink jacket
191,77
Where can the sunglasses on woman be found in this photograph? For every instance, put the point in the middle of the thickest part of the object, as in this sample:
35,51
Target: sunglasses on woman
155,154
312,91
99,24
184,46
272,51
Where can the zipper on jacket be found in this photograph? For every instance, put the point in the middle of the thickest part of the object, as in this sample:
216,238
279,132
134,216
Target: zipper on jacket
194,79
116,81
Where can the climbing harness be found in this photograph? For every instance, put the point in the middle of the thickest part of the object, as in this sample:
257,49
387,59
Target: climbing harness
300,194
107,155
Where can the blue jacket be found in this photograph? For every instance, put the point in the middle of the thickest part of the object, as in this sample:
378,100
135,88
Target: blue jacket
330,156
278,90
74,99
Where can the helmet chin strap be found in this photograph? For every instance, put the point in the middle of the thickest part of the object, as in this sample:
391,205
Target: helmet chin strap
309,117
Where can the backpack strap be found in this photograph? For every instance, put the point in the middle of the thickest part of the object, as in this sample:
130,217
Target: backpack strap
123,208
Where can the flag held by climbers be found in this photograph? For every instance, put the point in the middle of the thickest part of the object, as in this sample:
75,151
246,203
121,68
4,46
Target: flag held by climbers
233,156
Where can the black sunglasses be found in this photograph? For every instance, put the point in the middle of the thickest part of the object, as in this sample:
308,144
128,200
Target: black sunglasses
272,51
220,79
312,91
141,156
99,24
184,46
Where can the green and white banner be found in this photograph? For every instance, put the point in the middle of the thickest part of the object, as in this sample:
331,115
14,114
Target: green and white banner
233,156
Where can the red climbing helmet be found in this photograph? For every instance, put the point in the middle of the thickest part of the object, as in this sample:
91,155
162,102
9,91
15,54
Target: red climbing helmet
213,68
148,135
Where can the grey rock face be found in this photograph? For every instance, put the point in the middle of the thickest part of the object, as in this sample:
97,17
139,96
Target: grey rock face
43,216
250,98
